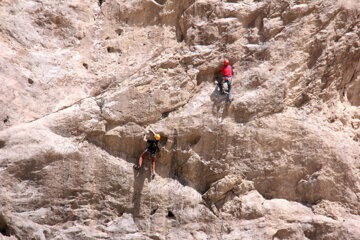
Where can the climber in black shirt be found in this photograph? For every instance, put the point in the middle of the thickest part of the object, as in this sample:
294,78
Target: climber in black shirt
151,149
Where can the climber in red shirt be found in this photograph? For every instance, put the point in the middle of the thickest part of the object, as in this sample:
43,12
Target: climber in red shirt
227,77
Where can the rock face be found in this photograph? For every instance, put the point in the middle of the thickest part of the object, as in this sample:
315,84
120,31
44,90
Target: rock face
83,81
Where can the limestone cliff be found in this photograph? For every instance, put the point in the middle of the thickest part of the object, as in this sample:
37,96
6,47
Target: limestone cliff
83,81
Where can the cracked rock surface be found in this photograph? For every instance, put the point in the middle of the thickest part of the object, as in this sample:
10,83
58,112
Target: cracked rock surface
82,82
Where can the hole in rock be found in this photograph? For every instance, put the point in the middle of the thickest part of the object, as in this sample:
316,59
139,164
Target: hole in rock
2,144
171,215
101,2
30,81
309,233
194,140
119,31
113,50
154,211
6,119
181,37
107,38
4,228
165,114
86,65
357,138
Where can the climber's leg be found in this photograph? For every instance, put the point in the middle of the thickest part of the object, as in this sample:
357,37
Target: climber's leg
153,165
220,84
229,88
143,155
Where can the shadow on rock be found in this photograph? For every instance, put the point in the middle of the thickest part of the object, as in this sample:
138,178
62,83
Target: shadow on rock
139,179
219,102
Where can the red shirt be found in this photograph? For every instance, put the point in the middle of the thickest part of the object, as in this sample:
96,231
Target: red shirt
227,71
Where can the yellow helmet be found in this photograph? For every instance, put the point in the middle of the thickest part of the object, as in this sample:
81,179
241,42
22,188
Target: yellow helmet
157,137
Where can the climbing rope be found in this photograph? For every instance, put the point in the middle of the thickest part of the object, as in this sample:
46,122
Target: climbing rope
65,183
64,189
150,104
217,135
222,225
181,208
168,201
178,196
217,159
150,185
150,204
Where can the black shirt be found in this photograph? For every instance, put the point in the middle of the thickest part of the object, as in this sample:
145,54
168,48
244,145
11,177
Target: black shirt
153,145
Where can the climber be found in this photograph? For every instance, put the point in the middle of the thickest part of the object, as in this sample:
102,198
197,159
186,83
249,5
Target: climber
151,150
227,77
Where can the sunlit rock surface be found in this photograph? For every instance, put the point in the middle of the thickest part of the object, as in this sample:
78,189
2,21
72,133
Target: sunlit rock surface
83,81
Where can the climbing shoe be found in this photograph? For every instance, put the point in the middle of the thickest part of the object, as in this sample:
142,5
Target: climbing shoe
136,167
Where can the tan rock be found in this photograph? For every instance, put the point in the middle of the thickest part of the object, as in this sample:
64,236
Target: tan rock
83,82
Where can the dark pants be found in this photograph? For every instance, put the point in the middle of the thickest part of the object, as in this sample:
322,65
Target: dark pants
228,81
